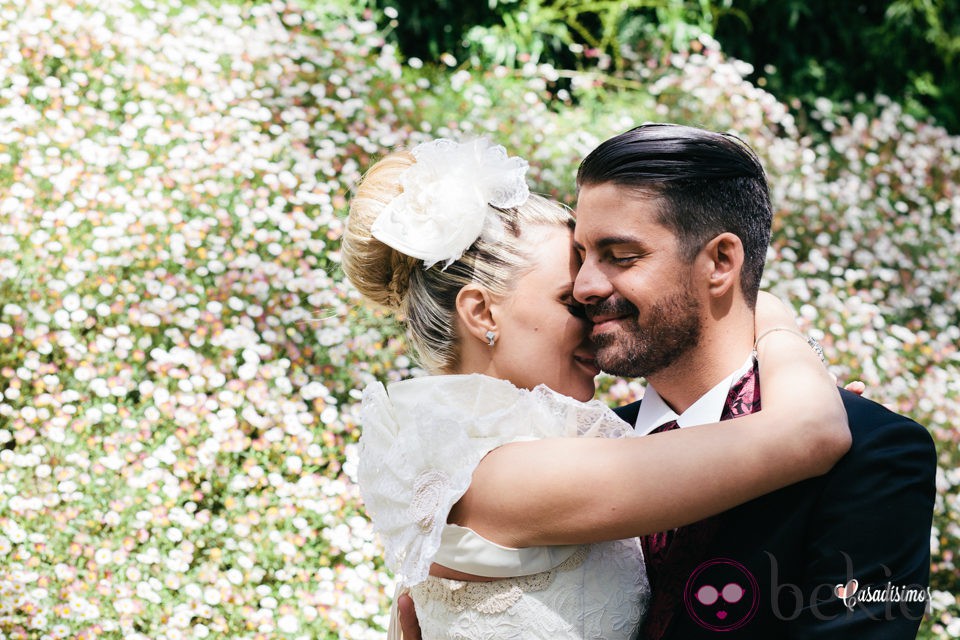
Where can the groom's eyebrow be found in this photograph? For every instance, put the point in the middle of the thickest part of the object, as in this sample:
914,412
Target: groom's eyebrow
610,241
614,240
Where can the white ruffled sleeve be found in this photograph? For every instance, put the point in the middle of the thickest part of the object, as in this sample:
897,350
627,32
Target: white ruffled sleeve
410,477
421,443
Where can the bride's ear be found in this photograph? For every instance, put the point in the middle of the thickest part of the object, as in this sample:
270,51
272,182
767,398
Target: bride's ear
474,309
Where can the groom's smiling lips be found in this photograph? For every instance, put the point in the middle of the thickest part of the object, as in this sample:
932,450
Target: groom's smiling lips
601,321
608,311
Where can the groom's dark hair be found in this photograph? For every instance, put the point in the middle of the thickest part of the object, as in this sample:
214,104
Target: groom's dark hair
707,183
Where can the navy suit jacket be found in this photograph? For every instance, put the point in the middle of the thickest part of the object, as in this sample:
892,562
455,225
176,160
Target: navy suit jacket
868,520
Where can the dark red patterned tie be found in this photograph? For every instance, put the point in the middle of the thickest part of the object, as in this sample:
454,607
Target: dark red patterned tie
656,544
672,555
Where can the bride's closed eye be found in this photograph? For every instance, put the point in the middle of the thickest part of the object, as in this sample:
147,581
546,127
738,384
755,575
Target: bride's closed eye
575,308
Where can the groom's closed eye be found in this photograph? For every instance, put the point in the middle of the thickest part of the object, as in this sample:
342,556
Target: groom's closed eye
622,260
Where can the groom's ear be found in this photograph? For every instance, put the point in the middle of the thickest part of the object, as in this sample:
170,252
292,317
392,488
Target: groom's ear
724,260
474,308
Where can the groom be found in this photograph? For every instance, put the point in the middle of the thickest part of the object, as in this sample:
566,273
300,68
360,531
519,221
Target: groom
673,224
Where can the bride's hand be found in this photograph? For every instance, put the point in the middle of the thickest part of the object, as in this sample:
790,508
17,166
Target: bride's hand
856,386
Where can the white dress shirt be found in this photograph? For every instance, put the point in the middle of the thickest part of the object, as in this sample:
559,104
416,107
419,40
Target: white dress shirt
654,411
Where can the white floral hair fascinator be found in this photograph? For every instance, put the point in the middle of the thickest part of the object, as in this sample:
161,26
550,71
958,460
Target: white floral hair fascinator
443,208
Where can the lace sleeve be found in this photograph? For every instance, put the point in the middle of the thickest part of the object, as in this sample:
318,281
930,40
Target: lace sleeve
410,477
422,442
591,419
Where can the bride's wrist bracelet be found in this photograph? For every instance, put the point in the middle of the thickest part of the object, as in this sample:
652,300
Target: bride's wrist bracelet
810,341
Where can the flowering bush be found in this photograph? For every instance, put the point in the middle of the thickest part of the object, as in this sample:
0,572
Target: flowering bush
178,349
181,359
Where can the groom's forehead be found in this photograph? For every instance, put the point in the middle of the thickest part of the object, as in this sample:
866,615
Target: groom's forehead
618,200
607,214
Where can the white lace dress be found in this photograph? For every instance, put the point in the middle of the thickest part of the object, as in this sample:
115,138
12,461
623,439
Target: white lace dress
421,442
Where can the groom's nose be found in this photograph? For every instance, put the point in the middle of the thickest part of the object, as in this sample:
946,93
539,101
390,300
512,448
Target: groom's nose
591,285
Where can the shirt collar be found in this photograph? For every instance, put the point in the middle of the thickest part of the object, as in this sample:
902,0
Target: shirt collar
654,411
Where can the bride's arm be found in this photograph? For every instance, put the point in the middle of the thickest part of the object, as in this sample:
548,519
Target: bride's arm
575,490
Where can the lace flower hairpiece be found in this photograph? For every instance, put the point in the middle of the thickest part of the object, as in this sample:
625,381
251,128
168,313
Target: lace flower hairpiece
443,208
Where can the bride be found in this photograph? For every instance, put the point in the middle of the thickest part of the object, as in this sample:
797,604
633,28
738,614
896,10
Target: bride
507,500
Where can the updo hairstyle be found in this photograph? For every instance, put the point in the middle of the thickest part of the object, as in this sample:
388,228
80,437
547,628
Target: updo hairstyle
424,300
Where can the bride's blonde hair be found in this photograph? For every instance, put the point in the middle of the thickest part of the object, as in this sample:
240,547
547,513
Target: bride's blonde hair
424,300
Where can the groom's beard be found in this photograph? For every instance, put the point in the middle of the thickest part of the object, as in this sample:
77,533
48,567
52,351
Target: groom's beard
636,349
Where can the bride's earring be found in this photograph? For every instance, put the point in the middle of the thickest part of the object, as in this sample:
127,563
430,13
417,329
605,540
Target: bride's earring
491,337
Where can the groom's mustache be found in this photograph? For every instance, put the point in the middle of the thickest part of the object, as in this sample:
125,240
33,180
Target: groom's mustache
614,306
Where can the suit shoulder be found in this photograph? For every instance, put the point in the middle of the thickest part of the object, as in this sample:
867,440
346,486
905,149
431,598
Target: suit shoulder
875,427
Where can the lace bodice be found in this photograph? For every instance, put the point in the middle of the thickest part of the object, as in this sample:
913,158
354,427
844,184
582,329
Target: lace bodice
600,591
419,448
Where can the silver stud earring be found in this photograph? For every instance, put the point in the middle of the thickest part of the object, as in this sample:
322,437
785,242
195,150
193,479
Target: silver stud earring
491,337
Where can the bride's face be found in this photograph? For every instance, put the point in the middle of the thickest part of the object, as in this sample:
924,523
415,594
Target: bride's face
543,334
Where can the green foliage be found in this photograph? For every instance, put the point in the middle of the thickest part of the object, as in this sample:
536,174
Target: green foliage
530,33
426,29
803,50
562,33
